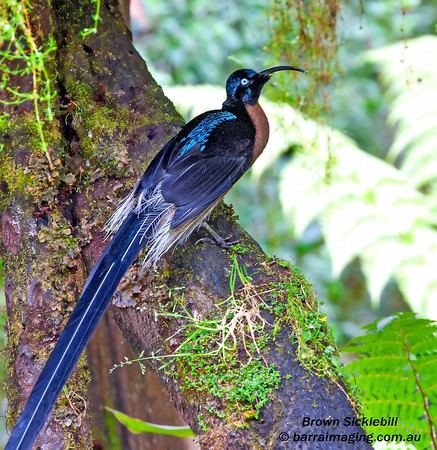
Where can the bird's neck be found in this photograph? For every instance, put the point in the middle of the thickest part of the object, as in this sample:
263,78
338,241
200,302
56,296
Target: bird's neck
262,129
255,114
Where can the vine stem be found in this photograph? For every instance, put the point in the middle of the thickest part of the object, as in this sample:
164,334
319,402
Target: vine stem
96,17
432,430
35,51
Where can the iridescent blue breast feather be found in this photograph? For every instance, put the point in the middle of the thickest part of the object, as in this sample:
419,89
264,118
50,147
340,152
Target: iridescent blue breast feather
201,132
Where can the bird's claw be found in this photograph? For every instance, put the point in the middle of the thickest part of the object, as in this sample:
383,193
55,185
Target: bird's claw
222,242
216,238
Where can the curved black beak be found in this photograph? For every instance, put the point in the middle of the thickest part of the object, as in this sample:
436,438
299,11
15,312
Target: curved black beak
259,79
267,72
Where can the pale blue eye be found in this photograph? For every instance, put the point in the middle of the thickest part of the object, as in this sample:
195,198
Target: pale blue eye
244,82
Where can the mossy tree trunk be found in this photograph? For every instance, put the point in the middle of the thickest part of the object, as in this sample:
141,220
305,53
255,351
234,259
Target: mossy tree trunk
111,119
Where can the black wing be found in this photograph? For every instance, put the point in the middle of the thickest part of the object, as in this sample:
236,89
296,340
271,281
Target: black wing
201,163
201,184
205,173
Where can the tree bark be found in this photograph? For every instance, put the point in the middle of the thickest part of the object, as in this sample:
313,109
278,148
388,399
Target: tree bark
112,119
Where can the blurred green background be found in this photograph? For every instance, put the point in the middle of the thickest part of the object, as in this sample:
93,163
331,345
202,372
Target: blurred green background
346,189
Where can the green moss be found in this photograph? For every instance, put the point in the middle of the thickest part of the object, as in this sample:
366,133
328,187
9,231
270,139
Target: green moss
201,422
18,180
102,128
220,355
294,306
164,111
4,123
70,403
33,177
63,246
239,249
97,122
212,409
244,389
80,92
99,145
16,265
106,119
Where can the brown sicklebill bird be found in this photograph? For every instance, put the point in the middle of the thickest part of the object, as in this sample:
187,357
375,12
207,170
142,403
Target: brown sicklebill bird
176,194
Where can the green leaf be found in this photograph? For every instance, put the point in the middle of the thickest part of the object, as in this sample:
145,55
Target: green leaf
139,426
395,375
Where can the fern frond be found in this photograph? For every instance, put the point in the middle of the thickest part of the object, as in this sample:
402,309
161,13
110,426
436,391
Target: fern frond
395,373
408,72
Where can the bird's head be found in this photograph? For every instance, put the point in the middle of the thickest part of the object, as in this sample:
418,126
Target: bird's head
246,85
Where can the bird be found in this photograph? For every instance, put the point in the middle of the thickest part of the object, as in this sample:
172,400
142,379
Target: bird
176,194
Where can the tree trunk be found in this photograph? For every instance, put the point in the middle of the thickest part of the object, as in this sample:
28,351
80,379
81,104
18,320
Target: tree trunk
273,370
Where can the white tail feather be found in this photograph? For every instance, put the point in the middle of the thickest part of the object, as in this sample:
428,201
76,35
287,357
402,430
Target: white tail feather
119,216
156,226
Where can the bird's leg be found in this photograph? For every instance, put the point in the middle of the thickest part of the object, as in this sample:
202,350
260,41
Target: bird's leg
216,238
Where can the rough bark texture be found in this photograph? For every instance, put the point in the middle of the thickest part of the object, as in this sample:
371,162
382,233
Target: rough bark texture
112,119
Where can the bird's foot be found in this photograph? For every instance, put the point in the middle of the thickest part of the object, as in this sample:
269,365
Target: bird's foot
216,238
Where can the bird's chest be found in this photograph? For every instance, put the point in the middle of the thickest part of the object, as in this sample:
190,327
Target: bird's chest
261,124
